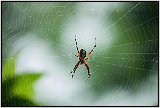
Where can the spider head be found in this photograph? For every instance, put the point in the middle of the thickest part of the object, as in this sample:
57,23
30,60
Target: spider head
82,53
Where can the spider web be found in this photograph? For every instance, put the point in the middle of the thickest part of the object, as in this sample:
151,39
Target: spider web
124,65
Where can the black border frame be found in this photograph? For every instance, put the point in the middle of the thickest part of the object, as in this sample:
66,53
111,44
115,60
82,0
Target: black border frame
79,1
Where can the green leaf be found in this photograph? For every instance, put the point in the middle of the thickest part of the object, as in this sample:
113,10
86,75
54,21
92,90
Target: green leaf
17,90
24,85
8,69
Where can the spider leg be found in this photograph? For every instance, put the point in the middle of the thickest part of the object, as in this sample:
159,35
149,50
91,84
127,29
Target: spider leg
86,58
86,65
76,55
93,48
76,44
74,70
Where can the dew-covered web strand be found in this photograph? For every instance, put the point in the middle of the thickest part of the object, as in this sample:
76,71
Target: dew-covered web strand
11,28
69,54
131,83
122,32
114,23
110,27
62,47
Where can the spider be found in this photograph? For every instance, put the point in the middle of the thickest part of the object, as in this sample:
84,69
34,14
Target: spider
82,57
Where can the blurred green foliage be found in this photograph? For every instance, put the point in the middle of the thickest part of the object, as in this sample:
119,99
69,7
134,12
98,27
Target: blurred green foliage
8,69
17,90
130,57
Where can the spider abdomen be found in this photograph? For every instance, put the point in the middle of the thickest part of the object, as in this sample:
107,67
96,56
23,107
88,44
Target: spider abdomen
82,53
